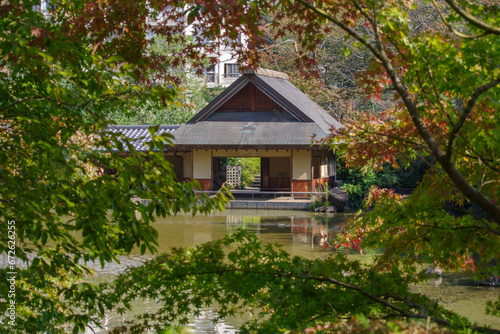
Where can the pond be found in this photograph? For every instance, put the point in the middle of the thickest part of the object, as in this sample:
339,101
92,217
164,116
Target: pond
299,233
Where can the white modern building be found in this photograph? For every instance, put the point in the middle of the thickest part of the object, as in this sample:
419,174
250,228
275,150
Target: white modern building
223,70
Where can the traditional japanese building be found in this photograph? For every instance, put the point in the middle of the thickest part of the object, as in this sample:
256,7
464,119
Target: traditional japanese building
260,115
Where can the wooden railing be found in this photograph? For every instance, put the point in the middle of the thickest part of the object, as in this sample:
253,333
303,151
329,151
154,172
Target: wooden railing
301,194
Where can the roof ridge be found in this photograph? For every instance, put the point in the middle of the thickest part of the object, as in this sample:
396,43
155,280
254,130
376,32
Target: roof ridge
268,73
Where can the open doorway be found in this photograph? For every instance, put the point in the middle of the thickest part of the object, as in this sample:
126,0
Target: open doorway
226,169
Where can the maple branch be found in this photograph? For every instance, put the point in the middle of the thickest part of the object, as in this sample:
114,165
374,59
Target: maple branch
487,162
41,98
372,21
319,316
343,26
336,282
422,88
453,30
473,20
488,182
434,89
401,139
35,98
486,224
455,228
400,312
456,177
378,40
365,14
466,112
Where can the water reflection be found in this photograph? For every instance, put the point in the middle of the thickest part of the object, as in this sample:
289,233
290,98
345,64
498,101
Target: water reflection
299,233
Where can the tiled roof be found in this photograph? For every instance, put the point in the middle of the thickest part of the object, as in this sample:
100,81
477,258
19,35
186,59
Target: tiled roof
140,133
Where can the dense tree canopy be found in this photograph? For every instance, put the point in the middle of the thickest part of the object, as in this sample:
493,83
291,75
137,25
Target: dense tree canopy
445,85
444,79
64,71
192,91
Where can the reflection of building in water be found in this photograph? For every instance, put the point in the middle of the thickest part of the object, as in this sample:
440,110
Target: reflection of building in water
301,225
252,223
298,230
202,233
311,232
233,220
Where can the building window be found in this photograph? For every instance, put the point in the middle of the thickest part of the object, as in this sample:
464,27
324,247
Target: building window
211,73
231,71
43,7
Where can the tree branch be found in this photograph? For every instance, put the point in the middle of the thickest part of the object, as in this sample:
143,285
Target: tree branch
434,89
371,20
466,112
401,312
401,139
343,26
488,162
32,98
453,30
473,20
456,177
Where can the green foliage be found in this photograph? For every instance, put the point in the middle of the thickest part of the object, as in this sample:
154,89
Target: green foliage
321,199
59,80
192,93
249,168
358,181
238,274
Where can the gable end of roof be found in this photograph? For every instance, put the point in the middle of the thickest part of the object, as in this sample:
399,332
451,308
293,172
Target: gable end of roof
265,88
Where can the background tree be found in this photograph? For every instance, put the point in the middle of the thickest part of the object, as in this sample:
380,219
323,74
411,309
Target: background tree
192,91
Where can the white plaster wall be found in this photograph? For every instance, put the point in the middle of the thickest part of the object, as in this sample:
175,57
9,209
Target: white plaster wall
302,165
202,164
